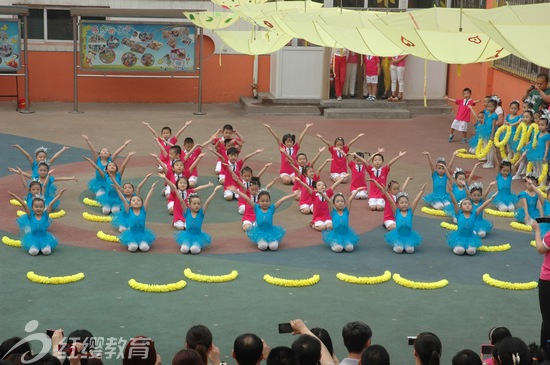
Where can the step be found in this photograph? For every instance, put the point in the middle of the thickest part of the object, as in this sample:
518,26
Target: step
421,110
363,104
268,98
254,106
362,113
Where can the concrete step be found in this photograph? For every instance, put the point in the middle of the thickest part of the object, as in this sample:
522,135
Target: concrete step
363,104
421,110
254,106
268,98
362,113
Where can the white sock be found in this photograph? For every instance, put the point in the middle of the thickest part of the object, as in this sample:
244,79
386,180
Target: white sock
184,249
144,246
511,207
273,245
458,250
481,234
349,247
121,229
115,209
46,250
106,209
502,207
337,248
33,251
438,205
397,249
195,249
132,247
471,251
262,245
409,249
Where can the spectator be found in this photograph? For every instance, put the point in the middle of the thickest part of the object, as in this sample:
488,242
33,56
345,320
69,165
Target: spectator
281,355
512,351
187,357
309,349
427,349
375,355
538,93
6,347
199,338
357,336
141,350
543,248
248,349
325,338
466,357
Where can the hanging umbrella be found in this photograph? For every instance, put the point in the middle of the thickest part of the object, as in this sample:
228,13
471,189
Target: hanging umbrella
354,31
230,4
253,42
255,13
211,20
440,34
516,29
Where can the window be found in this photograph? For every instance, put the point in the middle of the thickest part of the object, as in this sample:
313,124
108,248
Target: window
52,24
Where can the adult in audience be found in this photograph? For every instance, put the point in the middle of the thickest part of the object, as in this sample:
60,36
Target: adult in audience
357,337
309,349
538,92
543,248
141,350
427,349
248,349
6,347
187,357
512,351
375,355
199,338
323,335
466,357
282,355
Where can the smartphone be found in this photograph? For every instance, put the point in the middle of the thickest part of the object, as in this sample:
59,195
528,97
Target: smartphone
487,350
50,332
410,340
543,220
67,348
285,328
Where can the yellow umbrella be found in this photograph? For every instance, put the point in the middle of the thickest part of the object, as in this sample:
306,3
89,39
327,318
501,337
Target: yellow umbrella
354,31
253,42
230,4
440,34
516,27
211,20
255,13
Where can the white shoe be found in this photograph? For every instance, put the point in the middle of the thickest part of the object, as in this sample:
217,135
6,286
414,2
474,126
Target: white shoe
144,247
471,251
273,246
398,249
409,249
33,251
339,98
132,247
184,249
516,177
488,166
262,245
458,250
349,247
337,248
46,250
195,249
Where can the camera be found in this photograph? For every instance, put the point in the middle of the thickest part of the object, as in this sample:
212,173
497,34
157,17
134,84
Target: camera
410,340
285,328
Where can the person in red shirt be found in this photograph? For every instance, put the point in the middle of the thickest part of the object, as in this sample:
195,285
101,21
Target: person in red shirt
372,71
358,170
462,118
339,151
166,140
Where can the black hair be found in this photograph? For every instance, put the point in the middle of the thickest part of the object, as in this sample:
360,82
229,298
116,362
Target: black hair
232,151
458,173
530,112
176,161
323,335
188,140
166,129
44,164
307,349
36,199
227,141
497,334
182,177
378,154
86,338
6,347
194,196
176,149
544,76
199,338
301,154
34,182
262,193
467,89
515,102
491,101
246,169
427,347
187,357
255,181
128,183
147,355
248,349
545,119
466,357
505,163
306,169
356,336
391,182
537,353
360,154
227,127
375,355
513,351
282,355
288,136
314,183
339,139
337,195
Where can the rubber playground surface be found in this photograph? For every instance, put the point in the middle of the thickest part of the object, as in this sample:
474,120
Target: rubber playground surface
461,313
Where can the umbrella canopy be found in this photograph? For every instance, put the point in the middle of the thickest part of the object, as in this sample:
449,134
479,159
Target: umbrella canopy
517,29
230,4
253,42
211,20
256,13
440,34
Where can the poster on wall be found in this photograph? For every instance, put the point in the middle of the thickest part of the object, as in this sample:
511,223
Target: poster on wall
10,45
125,46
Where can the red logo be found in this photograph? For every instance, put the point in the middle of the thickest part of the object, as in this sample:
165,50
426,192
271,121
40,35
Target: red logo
406,42
475,39
496,55
268,24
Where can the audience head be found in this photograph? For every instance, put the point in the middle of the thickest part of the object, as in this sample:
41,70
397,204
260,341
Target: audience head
282,356
427,349
84,337
140,350
307,349
187,357
199,338
466,357
247,349
324,336
356,336
37,359
497,334
375,355
512,351
6,347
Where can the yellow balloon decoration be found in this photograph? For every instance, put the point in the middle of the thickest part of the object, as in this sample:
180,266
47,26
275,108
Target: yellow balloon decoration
487,279
364,280
419,284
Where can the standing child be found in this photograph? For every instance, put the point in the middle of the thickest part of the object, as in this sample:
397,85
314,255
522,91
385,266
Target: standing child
481,226
505,200
513,120
137,236
372,71
41,155
439,197
527,119
530,207
403,238
462,118
341,237
537,152
486,131
193,239
34,227
291,146
464,239
338,152
264,234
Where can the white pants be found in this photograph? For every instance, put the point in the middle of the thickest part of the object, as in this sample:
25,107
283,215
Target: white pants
351,77
397,76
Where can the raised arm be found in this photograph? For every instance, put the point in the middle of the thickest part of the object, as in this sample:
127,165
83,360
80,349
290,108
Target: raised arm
339,181
418,197
272,182
235,177
178,133
262,171
252,154
196,162
217,153
324,140
123,200
151,129
303,134
283,199
318,172
204,186
355,139
486,193
209,200
389,198
99,170
484,205
352,196
54,200
149,195
401,154
120,149
306,186
329,200
542,248
240,139
449,99
359,157
453,200
242,195
162,149
472,174
125,162
140,186
299,327
314,160
19,172
90,146
66,178
21,201
380,150
161,164
427,154
169,182
58,153
277,139
406,183
24,152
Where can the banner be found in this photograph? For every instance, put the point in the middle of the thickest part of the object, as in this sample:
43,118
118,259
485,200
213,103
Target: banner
126,46
10,45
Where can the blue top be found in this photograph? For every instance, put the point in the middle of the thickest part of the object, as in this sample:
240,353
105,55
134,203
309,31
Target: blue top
264,219
531,204
460,194
485,130
194,224
136,222
439,183
340,222
504,185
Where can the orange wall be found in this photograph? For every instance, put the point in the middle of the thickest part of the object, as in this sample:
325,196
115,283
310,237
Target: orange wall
51,79
484,80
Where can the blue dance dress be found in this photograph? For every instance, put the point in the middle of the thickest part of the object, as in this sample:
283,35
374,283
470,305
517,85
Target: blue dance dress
137,232
534,213
504,194
264,230
464,236
537,154
481,224
110,198
341,233
37,235
460,194
439,187
403,234
120,218
193,234
513,145
99,182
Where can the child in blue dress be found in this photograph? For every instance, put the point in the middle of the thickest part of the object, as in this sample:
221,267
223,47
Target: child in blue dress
98,185
460,187
439,197
137,236
341,237
264,234
34,226
403,237
193,239
481,226
109,199
505,200
530,206
538,155
41,155
464,239
513,120
127,189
